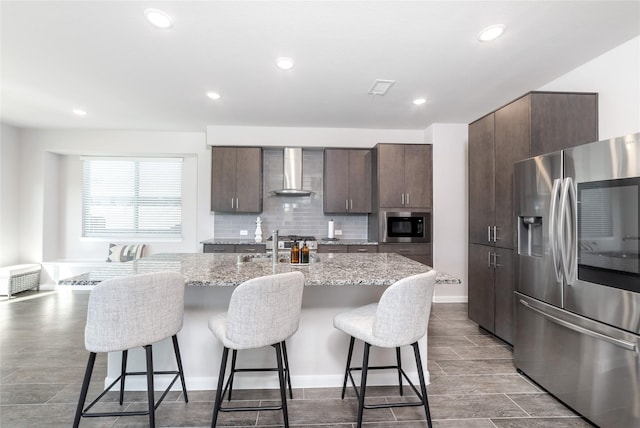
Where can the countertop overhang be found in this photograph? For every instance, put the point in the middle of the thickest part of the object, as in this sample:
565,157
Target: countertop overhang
219,270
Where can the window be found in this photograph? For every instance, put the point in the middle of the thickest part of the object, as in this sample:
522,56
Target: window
132,197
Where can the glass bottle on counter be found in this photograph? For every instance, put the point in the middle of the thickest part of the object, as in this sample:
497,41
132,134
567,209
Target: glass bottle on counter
295,253
304,253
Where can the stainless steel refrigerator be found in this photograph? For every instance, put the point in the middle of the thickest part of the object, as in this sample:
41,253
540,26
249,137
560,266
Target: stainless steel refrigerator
578,277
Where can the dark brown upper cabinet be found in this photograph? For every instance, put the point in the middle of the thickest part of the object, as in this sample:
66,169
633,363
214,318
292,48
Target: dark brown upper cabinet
537,123
347,181
236,179
404,175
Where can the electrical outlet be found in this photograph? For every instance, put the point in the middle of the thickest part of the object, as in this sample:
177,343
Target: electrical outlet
243,233
338,232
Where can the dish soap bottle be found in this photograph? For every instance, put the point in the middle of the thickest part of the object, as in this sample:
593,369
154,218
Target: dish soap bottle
304,257
295,253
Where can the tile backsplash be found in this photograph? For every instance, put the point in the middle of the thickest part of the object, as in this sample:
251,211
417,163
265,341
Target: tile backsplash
300,215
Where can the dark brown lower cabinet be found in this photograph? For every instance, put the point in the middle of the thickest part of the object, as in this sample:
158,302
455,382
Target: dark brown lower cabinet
328,248
363,249
331,248
231,248
491,289
418,252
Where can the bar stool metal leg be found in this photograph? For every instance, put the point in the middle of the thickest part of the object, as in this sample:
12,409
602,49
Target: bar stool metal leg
346,370
363,383
85,388
176,350
423,386
398,358
286,368
234,355
123,374
283,390
218,402
150,389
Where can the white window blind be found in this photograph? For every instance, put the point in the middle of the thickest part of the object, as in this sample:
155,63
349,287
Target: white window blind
132,197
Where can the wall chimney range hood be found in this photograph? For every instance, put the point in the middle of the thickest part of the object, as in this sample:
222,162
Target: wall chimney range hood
292,185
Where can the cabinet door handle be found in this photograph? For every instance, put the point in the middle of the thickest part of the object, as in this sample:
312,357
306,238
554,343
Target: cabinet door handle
403,250
237,204
407,198
402,197
362,250
346,204
489,259
351,207
488,233
495,233
232,202
495,261
249,250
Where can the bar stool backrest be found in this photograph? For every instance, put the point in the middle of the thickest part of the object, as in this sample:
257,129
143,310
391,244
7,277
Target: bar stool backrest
403,310
133,311
266,310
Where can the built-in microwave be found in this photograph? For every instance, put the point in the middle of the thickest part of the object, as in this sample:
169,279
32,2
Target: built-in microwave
405,226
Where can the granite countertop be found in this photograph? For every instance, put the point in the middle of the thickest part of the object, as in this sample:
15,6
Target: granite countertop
210,269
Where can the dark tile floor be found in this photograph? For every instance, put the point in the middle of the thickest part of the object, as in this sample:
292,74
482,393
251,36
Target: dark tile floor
473,381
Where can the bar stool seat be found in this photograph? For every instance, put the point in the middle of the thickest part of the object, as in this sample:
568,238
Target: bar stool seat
399,319
263,311
130,312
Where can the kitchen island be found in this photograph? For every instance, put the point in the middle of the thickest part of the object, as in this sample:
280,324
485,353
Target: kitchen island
317,352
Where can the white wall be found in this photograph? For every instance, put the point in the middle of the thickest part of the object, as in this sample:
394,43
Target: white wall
50,183
308,137
9,195
615,75
450,206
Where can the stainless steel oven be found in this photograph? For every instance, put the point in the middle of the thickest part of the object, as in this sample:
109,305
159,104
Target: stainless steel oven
405,226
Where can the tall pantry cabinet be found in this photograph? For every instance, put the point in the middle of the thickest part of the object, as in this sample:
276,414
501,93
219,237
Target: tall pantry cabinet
536,123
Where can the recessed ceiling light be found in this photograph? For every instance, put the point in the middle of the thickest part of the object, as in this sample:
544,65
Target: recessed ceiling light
158,18
419,101
213,95
285,63
491,33
79,112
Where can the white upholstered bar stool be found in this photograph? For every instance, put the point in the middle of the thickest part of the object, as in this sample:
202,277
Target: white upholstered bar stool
130,312
399,319
262,312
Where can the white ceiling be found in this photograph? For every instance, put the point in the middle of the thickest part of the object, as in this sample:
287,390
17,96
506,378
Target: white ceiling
104,57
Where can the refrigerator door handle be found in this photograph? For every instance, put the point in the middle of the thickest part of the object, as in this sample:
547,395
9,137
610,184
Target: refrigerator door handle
629,346
553,226
568,238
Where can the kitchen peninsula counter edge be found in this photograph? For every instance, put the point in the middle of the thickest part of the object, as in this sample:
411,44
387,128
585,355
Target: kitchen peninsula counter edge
223,270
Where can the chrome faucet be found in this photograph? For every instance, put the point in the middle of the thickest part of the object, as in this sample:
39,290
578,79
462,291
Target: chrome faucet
274,253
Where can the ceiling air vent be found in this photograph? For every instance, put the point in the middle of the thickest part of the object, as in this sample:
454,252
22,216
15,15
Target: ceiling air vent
380,87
